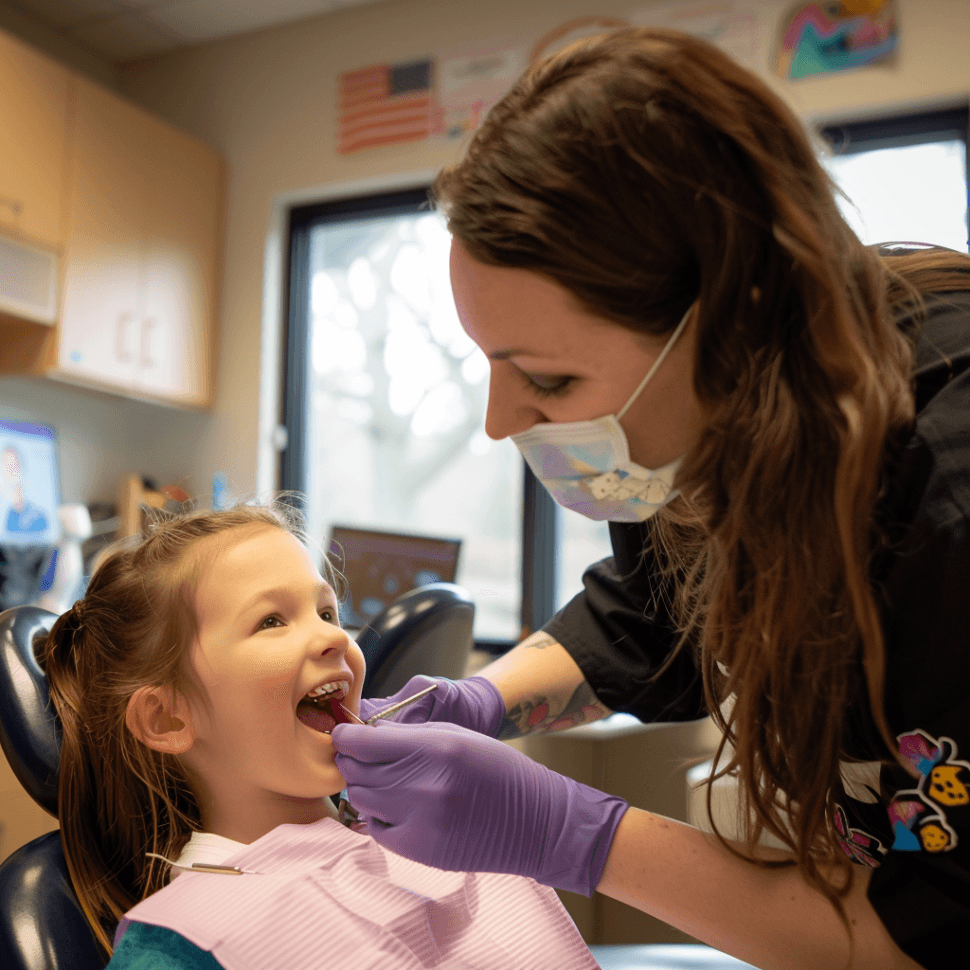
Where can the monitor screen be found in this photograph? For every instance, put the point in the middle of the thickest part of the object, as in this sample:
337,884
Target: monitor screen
380,566
29,485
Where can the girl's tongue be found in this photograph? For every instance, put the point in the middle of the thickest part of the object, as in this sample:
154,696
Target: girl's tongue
323,716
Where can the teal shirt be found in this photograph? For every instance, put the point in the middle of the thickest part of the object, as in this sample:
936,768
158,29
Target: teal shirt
145,947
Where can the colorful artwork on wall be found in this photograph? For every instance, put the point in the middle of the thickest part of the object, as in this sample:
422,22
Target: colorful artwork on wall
816,39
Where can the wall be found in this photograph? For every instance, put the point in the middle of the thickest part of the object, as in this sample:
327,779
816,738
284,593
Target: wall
267,101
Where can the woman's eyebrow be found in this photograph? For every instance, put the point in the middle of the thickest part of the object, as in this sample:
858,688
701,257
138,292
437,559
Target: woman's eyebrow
515,352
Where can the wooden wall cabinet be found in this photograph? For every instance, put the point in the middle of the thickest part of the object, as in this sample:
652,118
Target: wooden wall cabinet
142,244
138,222
34,96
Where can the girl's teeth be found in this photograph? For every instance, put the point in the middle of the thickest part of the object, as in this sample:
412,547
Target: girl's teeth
329,689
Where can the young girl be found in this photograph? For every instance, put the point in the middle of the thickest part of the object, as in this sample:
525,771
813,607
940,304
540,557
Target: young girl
196,684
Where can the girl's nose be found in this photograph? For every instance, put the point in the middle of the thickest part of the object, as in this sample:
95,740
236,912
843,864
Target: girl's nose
330,637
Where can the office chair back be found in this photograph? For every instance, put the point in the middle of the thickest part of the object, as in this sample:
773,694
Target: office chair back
425,631
42,926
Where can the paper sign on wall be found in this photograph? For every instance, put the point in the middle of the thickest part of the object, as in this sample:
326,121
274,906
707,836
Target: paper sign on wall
469,85
733,25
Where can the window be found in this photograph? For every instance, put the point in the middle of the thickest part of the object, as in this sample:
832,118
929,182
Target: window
385,396
905,177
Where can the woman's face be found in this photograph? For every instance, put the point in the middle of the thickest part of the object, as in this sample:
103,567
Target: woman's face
551,360
268,634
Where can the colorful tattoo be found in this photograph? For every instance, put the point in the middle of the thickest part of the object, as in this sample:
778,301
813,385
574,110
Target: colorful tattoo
540,714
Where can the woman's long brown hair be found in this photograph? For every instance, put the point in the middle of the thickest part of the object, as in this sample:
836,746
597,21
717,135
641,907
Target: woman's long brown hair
118,799
646,170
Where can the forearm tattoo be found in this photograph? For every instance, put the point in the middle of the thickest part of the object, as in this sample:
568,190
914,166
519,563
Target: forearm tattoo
548,712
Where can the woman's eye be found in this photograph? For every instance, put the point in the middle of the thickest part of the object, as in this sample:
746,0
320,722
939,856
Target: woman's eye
547,386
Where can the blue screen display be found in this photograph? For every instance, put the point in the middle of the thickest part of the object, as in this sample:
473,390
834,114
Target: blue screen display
29,485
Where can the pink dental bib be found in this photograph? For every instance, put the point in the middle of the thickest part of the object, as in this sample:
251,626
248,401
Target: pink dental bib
314,894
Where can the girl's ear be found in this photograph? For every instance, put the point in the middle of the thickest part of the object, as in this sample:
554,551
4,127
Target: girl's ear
161,720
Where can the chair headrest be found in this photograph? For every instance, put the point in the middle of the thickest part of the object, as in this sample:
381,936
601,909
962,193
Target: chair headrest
30,732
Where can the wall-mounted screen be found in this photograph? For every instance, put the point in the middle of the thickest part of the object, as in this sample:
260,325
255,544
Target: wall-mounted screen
29,485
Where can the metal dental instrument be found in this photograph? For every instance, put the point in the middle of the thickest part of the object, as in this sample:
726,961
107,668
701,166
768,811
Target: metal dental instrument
202,866
351,714
400,704
394,707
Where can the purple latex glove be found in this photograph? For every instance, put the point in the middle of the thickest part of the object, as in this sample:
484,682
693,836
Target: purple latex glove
473,703
455,799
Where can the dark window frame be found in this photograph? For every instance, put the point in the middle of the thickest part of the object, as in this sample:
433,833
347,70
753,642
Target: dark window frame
539,526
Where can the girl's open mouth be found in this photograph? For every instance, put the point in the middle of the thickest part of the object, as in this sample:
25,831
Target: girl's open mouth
323,712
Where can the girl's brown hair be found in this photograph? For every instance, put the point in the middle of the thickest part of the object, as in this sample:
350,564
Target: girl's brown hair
117,798
646,170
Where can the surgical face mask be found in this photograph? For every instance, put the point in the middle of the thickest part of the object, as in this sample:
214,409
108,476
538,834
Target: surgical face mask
586,465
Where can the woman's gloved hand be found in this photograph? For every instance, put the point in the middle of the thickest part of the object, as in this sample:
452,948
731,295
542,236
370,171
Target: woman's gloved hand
455,799
474,703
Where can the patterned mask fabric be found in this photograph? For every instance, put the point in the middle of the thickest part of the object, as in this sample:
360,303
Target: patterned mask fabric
586,465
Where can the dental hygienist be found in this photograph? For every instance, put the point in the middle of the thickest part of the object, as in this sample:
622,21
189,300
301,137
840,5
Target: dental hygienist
686,339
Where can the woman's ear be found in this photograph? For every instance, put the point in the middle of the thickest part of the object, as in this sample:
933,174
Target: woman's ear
161,720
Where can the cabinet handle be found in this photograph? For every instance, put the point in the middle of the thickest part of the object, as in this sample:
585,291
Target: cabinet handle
147,325
121,348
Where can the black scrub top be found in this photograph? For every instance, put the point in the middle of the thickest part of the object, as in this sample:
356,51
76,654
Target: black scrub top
912,829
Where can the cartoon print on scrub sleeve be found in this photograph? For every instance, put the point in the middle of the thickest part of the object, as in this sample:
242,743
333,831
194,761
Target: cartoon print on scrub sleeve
858,846
919,816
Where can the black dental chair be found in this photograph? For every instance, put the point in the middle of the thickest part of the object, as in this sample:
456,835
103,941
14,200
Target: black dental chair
427,630
41,923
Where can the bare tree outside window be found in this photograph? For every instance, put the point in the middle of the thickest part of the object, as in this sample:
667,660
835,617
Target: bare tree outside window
397,403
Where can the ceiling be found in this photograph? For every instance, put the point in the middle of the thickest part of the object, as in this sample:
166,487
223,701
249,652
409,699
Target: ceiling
125,30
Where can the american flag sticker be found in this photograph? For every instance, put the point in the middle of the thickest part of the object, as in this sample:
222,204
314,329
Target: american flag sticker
386,105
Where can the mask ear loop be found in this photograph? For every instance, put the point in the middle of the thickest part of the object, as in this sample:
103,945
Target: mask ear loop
656,364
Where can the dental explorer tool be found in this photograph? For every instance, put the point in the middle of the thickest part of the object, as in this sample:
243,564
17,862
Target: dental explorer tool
394,707
400,704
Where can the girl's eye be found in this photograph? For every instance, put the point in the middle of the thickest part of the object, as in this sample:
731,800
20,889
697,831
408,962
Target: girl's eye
270,623
329,615
547,386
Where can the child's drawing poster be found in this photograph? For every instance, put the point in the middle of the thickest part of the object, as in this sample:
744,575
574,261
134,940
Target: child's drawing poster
815,39
732,25
471,82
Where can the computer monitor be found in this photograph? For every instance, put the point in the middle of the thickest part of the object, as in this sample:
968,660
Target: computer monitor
29,485
380,566
29,497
